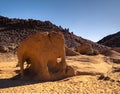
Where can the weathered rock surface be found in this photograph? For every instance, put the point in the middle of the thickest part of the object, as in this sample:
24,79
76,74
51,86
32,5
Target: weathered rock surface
13,31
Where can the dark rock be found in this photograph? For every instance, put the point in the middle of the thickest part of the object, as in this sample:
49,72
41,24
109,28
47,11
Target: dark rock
112,40
102,77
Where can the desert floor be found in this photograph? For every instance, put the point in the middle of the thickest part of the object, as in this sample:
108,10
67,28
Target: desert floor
94,75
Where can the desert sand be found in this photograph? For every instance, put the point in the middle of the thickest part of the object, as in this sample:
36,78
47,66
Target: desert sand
94,75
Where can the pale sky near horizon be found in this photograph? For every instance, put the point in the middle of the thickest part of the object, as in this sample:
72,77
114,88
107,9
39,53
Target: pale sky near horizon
90,19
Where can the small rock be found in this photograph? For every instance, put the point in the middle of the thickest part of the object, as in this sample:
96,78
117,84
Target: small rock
102,77
3,49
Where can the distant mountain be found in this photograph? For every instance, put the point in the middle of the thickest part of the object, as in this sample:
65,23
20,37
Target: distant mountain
112,40
13,31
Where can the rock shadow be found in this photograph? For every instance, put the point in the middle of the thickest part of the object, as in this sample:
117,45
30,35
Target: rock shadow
29,79
6,83
116,70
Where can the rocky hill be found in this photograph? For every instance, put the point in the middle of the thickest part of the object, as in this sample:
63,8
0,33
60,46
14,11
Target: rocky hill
112,40
12,31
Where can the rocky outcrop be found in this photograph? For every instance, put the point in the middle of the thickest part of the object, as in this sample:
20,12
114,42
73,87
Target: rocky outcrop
42,51
13,31
86,49
112,40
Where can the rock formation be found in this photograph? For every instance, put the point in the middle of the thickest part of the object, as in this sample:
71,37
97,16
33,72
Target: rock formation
13,31
45,51
112,40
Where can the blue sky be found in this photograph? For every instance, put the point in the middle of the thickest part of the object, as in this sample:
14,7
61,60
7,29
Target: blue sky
90,19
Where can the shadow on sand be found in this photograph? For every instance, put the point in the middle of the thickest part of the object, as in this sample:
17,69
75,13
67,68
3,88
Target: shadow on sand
30,78
117,70
16,81
6,83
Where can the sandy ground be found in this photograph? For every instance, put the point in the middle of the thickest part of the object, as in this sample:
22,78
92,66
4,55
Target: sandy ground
88,80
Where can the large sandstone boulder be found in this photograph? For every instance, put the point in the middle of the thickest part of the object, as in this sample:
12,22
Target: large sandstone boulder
45,52
85,49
